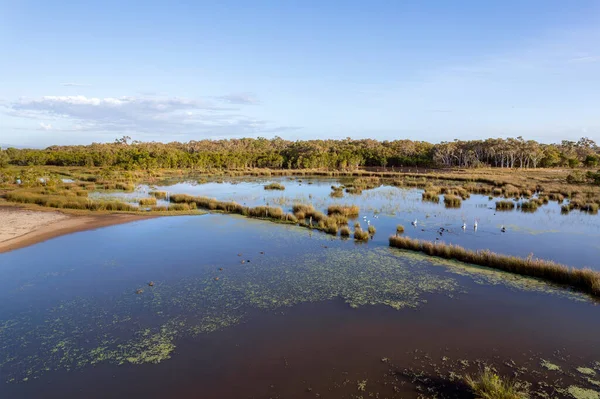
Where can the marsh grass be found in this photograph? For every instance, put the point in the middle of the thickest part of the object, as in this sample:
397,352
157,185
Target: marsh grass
431,196
371,230
489,385
399,229
585,280
361,235
452,201
505,205
274,186
147,201
60,201
350,211
345,231
528,206
158,194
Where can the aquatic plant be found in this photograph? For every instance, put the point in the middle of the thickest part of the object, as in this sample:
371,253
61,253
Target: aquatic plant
586,280
371,230
399,229
346,210
431,196
147,201
361,235
158,194
505,205
528,206
345,231
452,201
274,186
489,385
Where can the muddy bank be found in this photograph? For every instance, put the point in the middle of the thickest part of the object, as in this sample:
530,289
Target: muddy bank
23,227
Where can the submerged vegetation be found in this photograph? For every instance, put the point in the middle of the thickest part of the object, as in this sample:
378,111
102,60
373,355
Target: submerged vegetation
452,201
585,280
350,211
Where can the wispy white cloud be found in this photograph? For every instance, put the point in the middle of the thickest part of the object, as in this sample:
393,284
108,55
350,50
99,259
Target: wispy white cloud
144,115
71,84
239,98
591,58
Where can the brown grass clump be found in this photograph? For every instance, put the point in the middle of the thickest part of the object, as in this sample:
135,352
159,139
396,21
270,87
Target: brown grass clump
346,210
345,232
452,201
158,194
528,206
585,280
147,201
505,205
361,235
372,230
274,186
431,196
399,229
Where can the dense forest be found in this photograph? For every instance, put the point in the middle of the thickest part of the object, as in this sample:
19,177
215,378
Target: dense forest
278,153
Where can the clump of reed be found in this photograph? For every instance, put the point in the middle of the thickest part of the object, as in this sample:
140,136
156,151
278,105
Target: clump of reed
158,194
179,207
431,196
399,229
528,206
274,186
452,201
590,207
158,208
565,209
511,191
116,186
556,197
585,280
361,235
61,201
496,191
147,201
350,211
489,385
371,230
505,205
345,232
337,192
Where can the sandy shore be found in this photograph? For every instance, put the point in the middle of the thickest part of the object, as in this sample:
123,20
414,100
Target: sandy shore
22,227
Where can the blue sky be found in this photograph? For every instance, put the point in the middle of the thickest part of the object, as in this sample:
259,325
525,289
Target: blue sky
82,71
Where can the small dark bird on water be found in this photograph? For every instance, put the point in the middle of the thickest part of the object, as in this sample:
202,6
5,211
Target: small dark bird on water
151,283
216,279
262,253
220,268
139,291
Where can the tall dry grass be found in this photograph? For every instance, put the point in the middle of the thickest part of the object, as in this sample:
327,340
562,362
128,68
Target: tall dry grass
585,280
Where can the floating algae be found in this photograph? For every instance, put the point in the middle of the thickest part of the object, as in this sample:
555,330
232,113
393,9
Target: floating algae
582,393
586,371
138,329
549,366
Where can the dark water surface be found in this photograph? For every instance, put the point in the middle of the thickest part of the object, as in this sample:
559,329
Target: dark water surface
310,315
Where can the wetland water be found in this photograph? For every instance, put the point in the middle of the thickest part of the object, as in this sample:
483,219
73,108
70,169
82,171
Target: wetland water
244,308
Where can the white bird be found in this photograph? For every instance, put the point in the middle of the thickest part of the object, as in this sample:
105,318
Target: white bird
503,229
414,223
464,226
475,225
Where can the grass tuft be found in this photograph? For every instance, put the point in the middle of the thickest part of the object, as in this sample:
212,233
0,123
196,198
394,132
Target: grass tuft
147,201
489,385
452,201
274,186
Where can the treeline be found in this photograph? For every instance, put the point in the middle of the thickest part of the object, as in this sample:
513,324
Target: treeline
329,154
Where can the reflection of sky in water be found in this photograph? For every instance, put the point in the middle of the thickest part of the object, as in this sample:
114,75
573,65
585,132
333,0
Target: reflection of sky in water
571,239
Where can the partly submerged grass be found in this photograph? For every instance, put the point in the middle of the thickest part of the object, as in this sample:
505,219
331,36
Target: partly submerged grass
431,196
361,235
399,229
489,385
345,231
274,186
585,280
371,230
147,201
505,205
158,194
350,211
452,201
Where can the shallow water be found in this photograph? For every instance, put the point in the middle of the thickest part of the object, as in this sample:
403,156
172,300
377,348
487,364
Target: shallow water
572,239
311,315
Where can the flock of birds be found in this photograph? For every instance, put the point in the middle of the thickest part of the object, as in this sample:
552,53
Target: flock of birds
464,225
